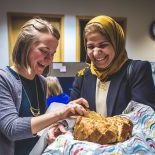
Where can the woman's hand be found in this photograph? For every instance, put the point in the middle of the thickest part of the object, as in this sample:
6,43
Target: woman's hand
54,132
76,107
79,106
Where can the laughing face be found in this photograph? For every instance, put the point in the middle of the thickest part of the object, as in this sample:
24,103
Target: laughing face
99,50
41,54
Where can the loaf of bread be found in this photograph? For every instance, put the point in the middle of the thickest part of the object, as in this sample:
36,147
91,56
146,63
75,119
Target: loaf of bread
102,130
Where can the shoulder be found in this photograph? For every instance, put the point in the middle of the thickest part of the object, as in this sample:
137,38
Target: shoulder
141,62
6,75
4,71
141,65
9,84
141,69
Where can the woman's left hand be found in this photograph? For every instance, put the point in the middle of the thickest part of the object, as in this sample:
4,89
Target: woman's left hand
54,132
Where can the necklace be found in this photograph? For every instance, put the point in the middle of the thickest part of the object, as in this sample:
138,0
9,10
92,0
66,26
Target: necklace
34,111
102,85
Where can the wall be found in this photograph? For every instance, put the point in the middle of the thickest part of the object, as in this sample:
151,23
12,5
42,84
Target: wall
139,14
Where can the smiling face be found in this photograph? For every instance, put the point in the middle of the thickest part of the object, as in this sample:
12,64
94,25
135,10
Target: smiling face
99,50
41,53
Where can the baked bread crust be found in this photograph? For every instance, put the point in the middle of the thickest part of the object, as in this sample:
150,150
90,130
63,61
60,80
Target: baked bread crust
102,130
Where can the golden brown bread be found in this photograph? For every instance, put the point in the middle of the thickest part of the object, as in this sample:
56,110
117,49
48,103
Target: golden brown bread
102,130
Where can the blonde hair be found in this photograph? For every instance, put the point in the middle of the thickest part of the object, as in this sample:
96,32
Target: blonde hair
28,36
53,86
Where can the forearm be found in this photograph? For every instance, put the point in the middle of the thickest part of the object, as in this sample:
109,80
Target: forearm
76,107
45,120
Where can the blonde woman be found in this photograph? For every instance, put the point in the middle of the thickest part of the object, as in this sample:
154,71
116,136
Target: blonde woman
55,92
23,89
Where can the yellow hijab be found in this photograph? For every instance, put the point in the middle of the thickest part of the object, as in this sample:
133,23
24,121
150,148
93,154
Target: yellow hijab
116,36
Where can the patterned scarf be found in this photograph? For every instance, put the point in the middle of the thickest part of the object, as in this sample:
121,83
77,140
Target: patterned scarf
116,37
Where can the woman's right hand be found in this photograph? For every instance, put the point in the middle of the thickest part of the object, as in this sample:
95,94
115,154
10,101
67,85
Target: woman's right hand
75,107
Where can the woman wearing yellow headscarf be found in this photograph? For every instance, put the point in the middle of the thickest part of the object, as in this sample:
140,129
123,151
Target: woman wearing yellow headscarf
111,80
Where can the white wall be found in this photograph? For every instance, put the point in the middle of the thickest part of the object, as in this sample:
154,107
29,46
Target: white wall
139,14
